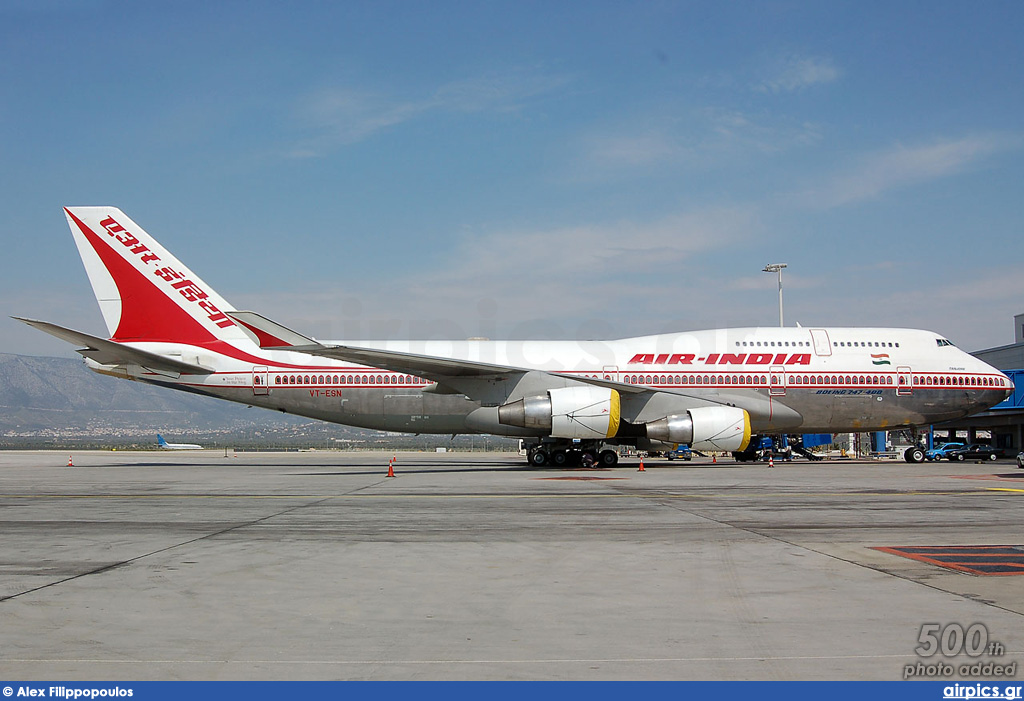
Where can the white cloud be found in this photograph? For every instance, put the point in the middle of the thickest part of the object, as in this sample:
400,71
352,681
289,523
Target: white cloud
902,166
497,92
548,283
337,116
632,150
705,138
737,131
793,73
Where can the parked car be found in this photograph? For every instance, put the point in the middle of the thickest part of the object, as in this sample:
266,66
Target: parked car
976,451
941,452
1020,459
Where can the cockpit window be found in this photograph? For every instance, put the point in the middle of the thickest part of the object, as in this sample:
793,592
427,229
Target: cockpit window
940,342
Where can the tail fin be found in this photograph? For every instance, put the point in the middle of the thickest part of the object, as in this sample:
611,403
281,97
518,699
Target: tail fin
160,440
144,292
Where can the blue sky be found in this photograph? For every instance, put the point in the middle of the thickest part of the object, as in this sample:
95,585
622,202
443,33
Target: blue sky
518,169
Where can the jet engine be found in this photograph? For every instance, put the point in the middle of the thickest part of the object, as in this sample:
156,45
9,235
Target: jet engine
704,428
567,412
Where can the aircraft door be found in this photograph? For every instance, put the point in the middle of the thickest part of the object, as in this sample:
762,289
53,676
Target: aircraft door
261,380
611,372
777,381
822,346
904,380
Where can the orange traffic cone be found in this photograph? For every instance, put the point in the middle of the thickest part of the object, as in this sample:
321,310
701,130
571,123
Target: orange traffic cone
714,458
771,461
70,462
391,468
641,466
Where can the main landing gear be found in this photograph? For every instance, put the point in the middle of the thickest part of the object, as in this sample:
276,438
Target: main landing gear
566,454
913,454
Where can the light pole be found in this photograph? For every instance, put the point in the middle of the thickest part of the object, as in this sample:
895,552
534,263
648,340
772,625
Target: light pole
777,268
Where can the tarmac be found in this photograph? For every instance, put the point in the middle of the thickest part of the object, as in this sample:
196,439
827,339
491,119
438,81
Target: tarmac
316,565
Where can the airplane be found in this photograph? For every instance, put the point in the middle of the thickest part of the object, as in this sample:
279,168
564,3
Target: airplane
711,390
176,446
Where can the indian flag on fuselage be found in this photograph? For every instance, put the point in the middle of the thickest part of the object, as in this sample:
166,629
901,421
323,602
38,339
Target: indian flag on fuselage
880,359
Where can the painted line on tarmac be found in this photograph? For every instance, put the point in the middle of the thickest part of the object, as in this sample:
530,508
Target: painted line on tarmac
624,660
737,494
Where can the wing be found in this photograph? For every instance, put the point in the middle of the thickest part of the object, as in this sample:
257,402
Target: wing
274,336
107,352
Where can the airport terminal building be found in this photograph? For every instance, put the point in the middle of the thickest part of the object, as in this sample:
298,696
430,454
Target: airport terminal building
1002,426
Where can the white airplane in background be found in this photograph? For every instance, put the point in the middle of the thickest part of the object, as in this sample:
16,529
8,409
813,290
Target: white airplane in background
711,390
176,446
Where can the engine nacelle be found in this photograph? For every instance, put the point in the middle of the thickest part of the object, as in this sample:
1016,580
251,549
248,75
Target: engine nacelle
567,412
723,428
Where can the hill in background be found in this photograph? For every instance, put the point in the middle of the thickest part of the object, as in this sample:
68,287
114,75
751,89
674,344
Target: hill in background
58,402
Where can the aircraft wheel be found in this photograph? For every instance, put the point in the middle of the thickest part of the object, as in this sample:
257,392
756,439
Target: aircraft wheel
539,458
559,458
609,458
914,455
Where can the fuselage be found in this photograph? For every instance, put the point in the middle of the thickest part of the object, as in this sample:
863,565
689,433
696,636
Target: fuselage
788,379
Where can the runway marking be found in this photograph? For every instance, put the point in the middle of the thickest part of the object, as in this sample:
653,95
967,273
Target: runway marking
578,479
988,560
996,478
108,567
738,494
598,660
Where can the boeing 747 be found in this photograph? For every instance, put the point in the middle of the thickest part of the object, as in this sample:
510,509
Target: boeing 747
710,390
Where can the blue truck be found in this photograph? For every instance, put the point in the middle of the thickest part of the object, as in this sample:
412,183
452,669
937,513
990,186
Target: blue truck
682,452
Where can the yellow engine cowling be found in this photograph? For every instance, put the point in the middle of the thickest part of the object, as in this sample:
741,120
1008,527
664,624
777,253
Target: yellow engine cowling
567,412
723,428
